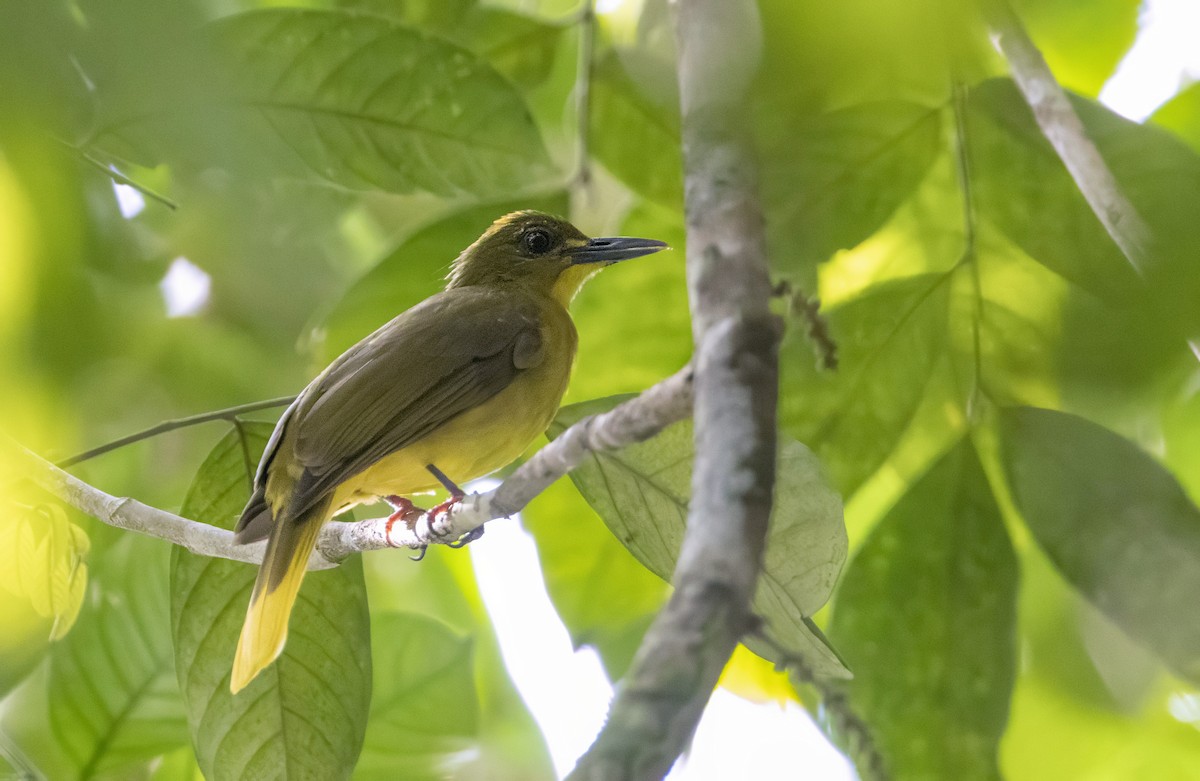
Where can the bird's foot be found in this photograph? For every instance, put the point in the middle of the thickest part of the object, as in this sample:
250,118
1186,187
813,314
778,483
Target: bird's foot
404,510
467,538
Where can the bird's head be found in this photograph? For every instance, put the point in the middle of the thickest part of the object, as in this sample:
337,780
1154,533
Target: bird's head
543,253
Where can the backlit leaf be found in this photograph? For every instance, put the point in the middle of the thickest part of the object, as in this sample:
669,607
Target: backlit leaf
642,492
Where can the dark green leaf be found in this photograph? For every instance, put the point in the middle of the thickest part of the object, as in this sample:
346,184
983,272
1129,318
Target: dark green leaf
1115,523
925,617
424,711
642,491
366,103
114,702
305,715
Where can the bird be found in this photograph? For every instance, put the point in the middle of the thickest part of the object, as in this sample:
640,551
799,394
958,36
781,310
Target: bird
453,388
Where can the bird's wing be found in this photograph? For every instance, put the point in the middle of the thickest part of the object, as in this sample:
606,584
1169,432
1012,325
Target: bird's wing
444,356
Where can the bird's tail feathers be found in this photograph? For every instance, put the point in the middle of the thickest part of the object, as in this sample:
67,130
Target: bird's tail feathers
284,564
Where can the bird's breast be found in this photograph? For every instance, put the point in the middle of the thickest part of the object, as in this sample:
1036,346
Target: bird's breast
486,437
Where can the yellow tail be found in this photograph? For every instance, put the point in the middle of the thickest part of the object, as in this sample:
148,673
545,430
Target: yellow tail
275,589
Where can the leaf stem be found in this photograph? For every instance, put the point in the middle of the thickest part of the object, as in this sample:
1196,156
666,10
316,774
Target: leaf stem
121,178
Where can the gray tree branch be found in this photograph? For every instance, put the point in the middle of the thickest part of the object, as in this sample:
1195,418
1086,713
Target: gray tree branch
633,421
1061,126
660,702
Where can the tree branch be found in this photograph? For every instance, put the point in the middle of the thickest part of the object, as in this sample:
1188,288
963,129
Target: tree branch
1061,126
633,421
660,702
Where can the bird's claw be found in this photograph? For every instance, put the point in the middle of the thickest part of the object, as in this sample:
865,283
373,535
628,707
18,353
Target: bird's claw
467,538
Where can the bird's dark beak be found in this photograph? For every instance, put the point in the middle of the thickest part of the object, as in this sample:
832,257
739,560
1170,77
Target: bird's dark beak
613,249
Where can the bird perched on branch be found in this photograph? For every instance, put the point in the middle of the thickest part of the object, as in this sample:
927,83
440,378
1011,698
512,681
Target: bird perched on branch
454,388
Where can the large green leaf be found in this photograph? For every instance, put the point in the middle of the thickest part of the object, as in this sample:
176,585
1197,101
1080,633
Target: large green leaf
1115,523
642,492
926,617
425,710
367,103
305,715
114,703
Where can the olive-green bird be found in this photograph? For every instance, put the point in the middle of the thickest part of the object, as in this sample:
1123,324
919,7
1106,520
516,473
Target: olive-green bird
462,383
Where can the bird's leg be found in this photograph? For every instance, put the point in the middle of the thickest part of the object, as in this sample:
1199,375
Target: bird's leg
456,497
404,510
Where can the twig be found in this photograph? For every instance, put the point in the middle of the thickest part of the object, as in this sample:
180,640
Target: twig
633,421
229,414
662,697
121,178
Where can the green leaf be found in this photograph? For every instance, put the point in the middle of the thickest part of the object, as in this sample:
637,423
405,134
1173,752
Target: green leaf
114,703
837,177
642,492
305,715
367,103
1116,524
634,133
416,269
925,617
424,711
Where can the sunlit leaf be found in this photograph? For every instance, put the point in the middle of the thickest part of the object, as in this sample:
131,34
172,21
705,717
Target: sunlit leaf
1115,523
306,714
1182,115
113,698
642,491
925,618
424,711
1081,62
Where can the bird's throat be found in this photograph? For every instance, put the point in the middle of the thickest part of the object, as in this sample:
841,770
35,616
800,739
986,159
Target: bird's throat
570,280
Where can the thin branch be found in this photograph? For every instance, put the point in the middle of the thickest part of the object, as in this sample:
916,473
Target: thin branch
229,414
121,178
1061,126
673,674
632,421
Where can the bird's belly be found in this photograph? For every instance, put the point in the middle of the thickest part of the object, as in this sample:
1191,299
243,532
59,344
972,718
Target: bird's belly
476,442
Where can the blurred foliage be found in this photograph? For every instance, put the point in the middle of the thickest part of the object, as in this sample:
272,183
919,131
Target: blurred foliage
1014,428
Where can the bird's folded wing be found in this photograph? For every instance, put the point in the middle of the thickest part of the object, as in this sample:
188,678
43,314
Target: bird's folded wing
447,355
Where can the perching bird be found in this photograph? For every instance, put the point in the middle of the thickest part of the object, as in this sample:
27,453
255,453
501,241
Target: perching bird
460,384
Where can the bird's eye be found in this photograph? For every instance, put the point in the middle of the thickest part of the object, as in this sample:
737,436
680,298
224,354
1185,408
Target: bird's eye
537,241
